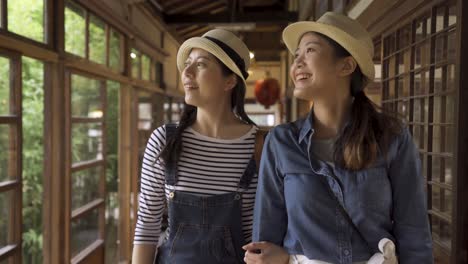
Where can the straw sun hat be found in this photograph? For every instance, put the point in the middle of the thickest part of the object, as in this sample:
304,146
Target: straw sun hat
222,44
342,29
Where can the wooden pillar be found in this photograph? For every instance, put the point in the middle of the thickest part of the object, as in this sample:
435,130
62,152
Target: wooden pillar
460,226
54,139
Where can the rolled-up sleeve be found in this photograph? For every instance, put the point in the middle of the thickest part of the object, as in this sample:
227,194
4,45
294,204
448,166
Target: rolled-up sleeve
270,217
411,223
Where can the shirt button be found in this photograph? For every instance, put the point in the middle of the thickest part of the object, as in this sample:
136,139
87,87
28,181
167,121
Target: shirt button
171,195
346,252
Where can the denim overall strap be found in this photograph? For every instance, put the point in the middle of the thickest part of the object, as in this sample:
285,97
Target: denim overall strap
170,168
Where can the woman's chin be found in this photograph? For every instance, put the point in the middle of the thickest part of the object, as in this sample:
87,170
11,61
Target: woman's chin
190,100
301,93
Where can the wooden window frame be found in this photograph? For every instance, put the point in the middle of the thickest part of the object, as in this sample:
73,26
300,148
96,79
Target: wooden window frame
12,251
99,202
428,124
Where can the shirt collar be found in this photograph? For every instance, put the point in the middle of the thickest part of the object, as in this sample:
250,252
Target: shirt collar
307,126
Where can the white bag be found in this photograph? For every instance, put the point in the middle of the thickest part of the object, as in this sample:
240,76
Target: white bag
387,253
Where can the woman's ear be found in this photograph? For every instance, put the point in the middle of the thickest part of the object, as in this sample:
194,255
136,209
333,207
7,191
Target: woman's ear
347,66
231,82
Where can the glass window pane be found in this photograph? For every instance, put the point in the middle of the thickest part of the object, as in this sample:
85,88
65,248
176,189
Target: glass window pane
86,142
446,234
85,186
391,89
33,153
391,44
401,63
436,140
159,74
428,25
440,18
421,83
452,15
439,48
451,77
5,210
435,195
448,171
75,29
135,55
145,67
114,52
86,97
144,116
112,176
420,32
417,110
4,86
84,231
5,153
441,231
404,37
97,40
450,109
425,53
449,139
1,22
439,108
403,109
403,86
451,46
26,18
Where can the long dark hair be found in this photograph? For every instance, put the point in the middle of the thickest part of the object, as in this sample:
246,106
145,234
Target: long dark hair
171,151
370,129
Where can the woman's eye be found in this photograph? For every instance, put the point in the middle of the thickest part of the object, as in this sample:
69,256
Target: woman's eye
199,64
186,64
310,50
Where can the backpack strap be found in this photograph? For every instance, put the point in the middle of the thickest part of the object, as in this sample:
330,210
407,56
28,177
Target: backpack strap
259,140
170,130
170,168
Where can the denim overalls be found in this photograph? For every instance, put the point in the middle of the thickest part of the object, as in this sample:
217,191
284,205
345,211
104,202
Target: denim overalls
204,230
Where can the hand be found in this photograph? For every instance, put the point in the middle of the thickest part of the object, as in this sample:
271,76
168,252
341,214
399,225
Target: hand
265,253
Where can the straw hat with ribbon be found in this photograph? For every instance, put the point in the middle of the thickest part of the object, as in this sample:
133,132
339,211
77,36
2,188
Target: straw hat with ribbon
222,44
347,32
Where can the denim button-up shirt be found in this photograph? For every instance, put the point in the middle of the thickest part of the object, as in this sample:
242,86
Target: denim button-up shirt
295,205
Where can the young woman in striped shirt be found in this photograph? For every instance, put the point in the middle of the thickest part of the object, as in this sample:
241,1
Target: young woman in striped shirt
202,169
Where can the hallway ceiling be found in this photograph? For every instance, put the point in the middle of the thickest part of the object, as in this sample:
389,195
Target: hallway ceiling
258,22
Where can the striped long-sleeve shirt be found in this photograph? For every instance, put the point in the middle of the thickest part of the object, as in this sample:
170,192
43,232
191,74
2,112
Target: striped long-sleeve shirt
207,166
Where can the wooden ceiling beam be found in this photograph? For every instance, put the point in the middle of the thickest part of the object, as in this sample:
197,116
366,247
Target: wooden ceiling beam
225,17
186,30
207,8
186,6
197,32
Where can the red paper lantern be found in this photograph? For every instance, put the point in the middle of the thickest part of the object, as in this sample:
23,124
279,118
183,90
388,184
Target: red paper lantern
267,91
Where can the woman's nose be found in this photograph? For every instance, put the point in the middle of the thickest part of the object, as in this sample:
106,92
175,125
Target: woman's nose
188,71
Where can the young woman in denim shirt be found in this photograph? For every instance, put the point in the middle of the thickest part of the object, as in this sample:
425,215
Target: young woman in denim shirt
336,183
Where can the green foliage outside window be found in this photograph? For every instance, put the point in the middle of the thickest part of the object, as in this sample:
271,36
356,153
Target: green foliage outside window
26,18
145,67
112,176
114,50
75,29
4,86
97,40
33,153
